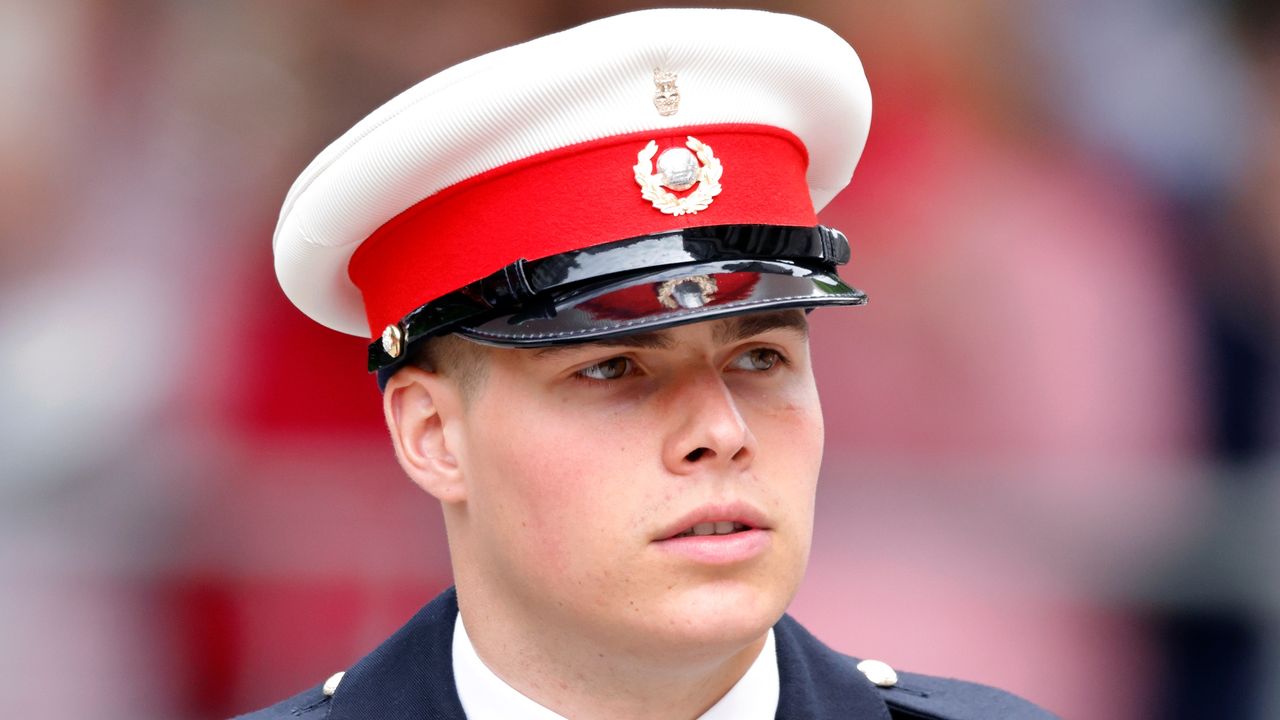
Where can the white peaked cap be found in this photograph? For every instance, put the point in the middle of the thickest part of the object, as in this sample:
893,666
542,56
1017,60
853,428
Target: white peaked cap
589,83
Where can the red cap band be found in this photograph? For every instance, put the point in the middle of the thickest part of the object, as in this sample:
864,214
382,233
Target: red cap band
568,199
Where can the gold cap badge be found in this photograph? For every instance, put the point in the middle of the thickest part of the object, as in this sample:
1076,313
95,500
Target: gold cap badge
679,169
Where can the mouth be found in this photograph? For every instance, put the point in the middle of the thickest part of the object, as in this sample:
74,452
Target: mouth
713,521
719,527
717,535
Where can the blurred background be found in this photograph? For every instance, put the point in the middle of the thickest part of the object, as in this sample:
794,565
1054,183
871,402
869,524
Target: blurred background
1053,437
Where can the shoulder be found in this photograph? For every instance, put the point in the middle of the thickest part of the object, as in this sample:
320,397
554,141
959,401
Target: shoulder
818,681
925,697
408,675
310,704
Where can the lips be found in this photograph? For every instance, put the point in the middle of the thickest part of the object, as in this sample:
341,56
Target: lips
715,520
724,536
720,527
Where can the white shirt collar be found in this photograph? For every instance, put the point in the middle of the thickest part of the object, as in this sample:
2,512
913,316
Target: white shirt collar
485,696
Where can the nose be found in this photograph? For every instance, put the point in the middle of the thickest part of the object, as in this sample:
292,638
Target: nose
709,431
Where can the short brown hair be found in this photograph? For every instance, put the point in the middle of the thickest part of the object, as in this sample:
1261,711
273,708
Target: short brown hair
453,357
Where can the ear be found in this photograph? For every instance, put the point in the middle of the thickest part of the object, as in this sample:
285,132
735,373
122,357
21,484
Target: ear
422,410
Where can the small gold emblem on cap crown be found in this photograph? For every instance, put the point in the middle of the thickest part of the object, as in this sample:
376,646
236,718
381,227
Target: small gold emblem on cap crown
879,673
687,292
393,340
679,169
666,96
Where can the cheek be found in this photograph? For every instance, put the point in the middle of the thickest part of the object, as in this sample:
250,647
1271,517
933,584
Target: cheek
789,433
788,419
545,489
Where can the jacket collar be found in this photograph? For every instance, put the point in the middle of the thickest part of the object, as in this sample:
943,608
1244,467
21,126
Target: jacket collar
818,682
408,676
411,675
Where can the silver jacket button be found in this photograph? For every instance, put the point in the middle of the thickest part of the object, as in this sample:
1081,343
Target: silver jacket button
880,674
331,685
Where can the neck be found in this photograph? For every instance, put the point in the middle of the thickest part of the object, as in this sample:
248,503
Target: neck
578,677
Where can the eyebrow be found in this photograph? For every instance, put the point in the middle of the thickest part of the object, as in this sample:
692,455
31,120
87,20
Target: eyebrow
727,331
745,326
656,340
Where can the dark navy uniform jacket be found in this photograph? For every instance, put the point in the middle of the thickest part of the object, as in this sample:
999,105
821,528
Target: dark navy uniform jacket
410,676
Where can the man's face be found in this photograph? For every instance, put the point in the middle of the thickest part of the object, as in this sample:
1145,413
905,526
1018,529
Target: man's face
584,463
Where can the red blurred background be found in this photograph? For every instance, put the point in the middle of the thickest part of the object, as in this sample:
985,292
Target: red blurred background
1051,436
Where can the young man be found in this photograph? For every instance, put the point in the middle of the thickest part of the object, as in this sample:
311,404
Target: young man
586,261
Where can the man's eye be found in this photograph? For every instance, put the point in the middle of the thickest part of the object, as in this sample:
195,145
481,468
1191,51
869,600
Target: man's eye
757,360
610,369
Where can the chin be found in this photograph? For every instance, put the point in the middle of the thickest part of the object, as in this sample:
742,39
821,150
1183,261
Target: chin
722,614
